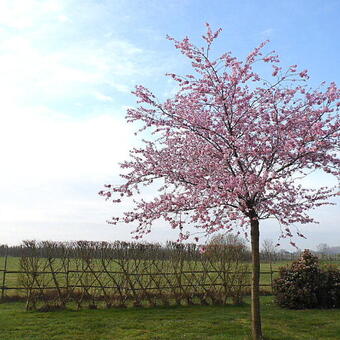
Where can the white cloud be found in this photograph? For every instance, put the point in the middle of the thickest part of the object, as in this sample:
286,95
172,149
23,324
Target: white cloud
31,73
52,168
52,163
267,32
103,97
43,59
25,14
38,146
64,18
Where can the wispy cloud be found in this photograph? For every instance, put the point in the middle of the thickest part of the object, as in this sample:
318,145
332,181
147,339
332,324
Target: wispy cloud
44,56
29,13
103,97
267,32
53,161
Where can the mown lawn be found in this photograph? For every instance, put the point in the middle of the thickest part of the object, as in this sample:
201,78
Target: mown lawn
190,322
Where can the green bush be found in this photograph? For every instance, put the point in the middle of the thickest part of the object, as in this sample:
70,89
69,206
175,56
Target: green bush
329,292
305,285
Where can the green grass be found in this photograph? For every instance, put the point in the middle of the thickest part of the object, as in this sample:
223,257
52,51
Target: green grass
190,322
12,264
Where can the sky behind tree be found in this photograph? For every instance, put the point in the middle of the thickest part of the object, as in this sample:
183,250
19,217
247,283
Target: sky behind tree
66,72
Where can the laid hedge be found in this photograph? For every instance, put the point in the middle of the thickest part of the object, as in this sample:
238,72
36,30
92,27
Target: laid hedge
122,274
306,285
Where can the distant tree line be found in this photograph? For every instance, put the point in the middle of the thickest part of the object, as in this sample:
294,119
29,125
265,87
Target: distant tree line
269,252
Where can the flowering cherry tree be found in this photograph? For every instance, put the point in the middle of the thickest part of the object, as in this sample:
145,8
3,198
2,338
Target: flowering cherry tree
227,149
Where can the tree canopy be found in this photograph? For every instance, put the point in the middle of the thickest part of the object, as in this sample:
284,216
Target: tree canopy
229,145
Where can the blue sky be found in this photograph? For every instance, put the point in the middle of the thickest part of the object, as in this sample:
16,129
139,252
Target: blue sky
66,71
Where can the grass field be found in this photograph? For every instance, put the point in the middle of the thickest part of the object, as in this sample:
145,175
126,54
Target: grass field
191,322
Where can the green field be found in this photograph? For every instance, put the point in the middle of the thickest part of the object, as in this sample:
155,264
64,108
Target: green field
190,322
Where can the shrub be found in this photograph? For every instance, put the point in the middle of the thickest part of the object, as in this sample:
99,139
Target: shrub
306,285
329,292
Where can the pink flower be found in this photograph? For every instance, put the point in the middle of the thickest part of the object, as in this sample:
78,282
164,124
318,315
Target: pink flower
304,74
224,152
202,249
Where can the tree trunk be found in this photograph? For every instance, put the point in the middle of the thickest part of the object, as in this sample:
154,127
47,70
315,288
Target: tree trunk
255,288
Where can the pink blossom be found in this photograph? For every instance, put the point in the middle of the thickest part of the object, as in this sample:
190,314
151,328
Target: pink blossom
224,150
202,249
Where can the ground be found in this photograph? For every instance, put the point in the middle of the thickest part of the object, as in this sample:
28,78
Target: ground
187,322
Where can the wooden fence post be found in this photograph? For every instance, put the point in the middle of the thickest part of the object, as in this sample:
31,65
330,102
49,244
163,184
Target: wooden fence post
271,274
4,276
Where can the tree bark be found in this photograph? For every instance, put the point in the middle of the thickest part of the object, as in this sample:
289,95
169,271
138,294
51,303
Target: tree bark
255,288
